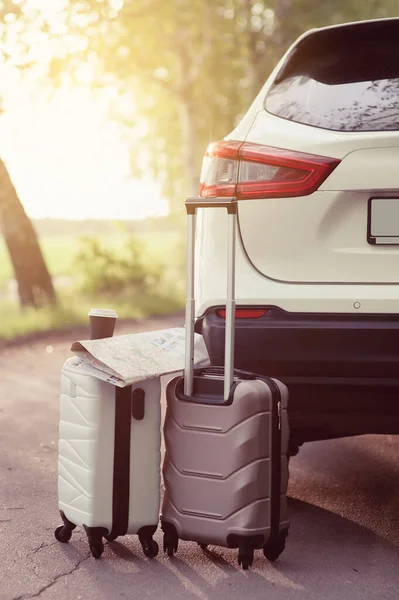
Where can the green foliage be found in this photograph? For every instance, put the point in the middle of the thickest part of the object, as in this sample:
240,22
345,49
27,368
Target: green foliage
144,276
182,72
186,70
159,244
104,270
157,255
73,308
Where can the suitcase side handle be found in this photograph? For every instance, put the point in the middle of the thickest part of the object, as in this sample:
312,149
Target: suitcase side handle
230,203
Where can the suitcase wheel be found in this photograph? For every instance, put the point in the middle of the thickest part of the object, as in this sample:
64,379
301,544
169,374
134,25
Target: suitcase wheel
170,538
203,546
273,551
150,548
245,557
97,549
63,534
95,538
170,547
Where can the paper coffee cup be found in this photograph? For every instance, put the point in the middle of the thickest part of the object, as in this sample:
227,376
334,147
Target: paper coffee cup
102,322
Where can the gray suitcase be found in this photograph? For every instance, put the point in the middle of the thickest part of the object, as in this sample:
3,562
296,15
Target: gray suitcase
226,438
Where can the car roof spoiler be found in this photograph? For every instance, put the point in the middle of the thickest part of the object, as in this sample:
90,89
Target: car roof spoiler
335,36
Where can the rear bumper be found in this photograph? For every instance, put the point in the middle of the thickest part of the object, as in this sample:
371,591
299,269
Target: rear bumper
342,372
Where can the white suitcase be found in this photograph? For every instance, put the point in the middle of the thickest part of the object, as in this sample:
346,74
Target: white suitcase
109,459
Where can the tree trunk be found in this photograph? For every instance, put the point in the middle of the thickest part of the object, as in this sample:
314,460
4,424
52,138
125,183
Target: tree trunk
35,287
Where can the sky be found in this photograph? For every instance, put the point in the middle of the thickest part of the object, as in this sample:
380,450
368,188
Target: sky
66,158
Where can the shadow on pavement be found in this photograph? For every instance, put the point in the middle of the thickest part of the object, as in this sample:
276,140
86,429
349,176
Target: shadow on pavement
357,478
327,556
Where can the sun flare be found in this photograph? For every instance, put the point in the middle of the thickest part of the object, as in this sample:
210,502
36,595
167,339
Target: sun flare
67,159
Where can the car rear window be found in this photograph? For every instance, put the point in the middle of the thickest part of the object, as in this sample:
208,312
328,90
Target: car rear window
342,81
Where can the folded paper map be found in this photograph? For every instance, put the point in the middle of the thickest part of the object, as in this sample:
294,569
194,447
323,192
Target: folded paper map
126,359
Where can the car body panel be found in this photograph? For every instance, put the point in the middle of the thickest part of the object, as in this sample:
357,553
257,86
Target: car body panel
312,258
254,288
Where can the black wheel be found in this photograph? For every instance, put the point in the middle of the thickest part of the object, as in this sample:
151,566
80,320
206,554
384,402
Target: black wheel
170,551
150,548
245,558
62,534
170,544
245,563
96,551
203,546
110,538
170,538
273,552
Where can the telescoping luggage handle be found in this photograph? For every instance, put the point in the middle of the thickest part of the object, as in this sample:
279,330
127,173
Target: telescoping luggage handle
191,207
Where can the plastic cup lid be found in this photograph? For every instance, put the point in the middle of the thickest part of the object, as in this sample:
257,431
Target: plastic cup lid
103,312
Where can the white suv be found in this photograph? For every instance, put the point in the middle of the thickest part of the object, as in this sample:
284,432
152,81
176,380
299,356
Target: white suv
314,165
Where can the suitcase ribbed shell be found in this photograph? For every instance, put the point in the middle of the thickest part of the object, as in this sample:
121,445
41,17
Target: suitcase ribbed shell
217,465
86,452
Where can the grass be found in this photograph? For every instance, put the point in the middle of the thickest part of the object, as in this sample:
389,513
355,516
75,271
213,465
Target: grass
59,252
15,322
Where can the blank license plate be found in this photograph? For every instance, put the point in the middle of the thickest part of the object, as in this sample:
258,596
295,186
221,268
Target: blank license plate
383,221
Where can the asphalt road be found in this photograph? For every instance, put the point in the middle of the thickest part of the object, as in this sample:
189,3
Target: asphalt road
344,502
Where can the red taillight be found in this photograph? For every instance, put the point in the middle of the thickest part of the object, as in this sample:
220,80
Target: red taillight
243,313
250,171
